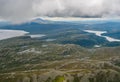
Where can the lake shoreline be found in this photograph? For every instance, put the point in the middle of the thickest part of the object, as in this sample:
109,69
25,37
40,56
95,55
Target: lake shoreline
99,33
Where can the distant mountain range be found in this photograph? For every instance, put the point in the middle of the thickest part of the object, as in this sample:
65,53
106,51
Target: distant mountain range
51,20
4,23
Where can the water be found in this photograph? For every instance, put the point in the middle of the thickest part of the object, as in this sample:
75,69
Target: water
5,34
37,35
99,33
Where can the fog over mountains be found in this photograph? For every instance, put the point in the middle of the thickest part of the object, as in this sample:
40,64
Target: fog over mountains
22,10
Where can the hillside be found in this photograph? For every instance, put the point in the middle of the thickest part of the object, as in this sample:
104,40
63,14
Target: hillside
24,59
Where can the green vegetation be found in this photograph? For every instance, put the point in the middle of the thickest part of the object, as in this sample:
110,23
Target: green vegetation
24,59
59,79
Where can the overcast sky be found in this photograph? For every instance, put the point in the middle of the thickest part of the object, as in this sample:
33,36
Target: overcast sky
22,10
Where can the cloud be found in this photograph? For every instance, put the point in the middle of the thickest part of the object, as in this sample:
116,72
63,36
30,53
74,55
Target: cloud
16,10
22,10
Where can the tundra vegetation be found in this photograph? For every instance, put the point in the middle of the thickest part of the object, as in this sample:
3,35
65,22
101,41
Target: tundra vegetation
23,59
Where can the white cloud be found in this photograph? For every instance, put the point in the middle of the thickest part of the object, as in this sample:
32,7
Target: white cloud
22,10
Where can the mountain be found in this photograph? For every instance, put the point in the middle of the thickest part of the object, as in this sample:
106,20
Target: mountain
4,23
41,21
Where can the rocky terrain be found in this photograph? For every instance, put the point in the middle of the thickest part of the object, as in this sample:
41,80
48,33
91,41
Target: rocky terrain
24,59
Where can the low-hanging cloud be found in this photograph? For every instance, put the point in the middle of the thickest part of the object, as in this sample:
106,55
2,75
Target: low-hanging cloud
22,10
